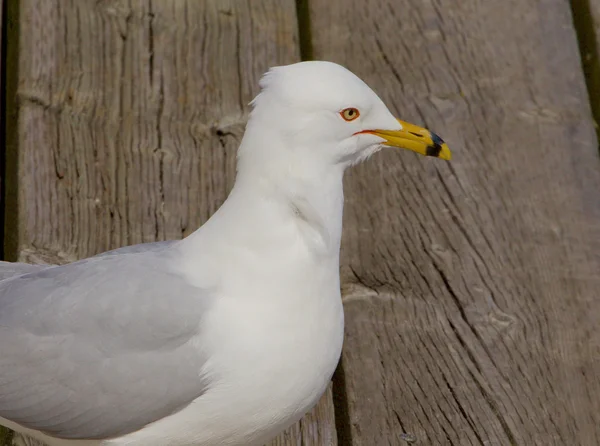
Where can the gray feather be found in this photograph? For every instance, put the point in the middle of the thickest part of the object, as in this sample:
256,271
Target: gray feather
93,349
10,269
142,247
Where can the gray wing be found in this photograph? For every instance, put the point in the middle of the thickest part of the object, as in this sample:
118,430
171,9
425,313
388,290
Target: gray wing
142,247
101,347
10,269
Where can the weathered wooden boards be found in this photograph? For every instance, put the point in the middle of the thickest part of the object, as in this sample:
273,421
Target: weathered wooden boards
138,108
471,287
130,114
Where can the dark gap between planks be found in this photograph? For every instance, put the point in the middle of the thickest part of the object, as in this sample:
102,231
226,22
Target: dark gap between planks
341,407
583,22
304,30
3,30
9,131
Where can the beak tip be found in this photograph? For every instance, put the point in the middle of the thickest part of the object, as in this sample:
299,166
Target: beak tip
445,154
439,149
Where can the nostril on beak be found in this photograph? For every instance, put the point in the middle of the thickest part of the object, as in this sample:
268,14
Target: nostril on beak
416,134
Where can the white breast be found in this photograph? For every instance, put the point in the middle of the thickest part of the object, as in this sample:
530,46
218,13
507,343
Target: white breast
271,360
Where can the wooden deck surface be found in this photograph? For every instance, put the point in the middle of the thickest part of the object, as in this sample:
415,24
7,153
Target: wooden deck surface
471,288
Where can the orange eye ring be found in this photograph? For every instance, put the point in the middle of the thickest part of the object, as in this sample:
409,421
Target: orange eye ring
350,114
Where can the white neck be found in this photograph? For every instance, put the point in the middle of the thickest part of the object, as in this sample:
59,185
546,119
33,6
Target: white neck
288,191
313,203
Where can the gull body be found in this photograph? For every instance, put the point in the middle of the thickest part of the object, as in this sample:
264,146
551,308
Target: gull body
228,336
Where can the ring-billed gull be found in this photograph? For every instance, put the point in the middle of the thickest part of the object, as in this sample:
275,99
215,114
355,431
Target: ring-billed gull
227,336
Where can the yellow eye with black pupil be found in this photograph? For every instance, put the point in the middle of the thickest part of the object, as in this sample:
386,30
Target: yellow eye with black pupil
350,114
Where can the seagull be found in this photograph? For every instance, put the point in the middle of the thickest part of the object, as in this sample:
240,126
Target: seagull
225,337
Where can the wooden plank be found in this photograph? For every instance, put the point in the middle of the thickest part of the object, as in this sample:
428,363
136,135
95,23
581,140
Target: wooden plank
129,120
471,287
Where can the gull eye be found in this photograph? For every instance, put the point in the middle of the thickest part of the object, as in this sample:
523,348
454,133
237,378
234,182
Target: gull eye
349,114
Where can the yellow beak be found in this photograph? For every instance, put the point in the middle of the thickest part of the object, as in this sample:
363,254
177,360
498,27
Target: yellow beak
415,138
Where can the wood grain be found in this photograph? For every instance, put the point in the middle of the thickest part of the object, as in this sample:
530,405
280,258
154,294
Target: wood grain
471,287
130,113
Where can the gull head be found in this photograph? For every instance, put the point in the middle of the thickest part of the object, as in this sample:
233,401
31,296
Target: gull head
318,114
